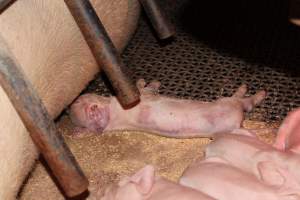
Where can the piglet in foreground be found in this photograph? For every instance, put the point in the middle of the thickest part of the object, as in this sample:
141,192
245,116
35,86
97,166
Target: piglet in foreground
144,185
288,137
264,171
162,115
248,153
241,166
218,178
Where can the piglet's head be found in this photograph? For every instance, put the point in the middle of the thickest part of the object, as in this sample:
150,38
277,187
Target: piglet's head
91,111
288,137
136,187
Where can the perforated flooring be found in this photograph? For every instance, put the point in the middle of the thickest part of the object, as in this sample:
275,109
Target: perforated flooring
220,45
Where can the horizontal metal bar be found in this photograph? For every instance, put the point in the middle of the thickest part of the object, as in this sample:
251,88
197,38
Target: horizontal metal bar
40,126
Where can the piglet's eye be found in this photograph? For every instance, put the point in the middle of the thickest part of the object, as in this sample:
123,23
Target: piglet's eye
77,101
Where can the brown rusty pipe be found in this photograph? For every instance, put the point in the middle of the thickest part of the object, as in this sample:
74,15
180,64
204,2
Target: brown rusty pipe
40,126
104,51
4,4
162,25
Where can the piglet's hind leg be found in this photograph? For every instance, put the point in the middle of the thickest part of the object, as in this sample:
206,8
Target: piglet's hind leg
241,91
249,102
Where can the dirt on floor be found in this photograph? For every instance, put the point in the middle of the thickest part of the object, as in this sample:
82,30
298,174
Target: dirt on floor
107,157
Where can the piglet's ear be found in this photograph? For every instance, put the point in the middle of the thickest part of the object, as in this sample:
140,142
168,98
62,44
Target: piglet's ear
281,178
144,179
288,136
271,174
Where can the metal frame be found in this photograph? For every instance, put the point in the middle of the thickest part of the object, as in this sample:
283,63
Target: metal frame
32,111
159,20
104,51
4,4
40,126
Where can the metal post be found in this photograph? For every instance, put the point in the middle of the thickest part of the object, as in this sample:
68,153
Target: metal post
4,4
104,51
40,126
159,20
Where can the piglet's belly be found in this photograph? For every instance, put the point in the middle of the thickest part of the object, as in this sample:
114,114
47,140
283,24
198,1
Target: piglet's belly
187,117
226,182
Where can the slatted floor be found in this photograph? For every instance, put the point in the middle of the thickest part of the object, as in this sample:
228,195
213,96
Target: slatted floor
220,45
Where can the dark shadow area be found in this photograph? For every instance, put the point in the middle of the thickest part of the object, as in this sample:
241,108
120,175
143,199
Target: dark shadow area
257,31
218,46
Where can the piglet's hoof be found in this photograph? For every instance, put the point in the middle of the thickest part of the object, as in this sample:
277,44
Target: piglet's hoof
249,102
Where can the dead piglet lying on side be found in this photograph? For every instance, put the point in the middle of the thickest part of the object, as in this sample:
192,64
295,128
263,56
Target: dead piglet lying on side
162,115
144,185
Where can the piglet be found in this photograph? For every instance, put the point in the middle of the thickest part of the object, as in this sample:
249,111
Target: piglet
248,153
144,185
219,179
288,136
162,115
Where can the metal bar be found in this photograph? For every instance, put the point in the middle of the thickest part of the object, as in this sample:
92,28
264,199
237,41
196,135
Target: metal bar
4,4
104,51
40,126
162,25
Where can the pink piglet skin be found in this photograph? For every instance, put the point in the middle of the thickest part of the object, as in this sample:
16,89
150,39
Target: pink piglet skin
288,137
242,165
144,185
268,164
221,180
170,117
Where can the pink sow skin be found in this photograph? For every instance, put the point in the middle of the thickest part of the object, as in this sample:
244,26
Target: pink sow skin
164,116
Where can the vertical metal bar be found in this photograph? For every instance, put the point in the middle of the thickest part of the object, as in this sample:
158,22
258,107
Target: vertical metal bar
104,51
4,4
40,126
162,25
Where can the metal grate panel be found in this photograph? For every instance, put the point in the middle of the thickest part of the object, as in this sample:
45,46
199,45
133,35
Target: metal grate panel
218,46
